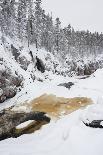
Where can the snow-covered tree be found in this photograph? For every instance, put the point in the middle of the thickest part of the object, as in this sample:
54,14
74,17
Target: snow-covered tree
22,19
38,23
57,33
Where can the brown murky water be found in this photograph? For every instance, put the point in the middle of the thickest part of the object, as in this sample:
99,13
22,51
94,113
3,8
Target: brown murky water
54,107
57,106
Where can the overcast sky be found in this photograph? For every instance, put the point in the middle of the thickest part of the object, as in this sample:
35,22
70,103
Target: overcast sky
81,14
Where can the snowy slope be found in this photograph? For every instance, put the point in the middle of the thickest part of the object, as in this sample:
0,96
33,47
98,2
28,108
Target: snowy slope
31,75
68,136
50,62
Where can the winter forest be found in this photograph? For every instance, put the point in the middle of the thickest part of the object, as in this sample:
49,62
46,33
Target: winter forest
25,20
51,78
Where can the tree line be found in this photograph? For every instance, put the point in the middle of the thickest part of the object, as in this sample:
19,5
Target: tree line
27,21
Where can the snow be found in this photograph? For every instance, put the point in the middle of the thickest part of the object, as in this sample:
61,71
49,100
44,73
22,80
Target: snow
101,123
2,67
94,112
25,124
68,135
1,91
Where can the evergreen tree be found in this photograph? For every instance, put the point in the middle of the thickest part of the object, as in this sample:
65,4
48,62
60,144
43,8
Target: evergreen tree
5,15
67,33
47,33
12,19
30,20
22,19
38,23
57,33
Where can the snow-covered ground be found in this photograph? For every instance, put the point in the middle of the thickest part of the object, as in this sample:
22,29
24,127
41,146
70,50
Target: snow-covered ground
68,135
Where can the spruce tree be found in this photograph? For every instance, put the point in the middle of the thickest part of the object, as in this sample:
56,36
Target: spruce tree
38,23
22,19
57,33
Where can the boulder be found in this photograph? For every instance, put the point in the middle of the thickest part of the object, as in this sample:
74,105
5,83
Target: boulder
2,98
15,52
10,119
67,85
95,124
8,84
2,81
16,80
23,62
40,65
9,92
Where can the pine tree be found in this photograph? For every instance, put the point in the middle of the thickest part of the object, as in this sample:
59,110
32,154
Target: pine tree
12,19
30,20
5,15
38,23
57,33
22,20
67,34
47,32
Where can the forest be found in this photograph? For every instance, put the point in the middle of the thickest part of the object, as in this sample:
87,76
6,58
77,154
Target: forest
26,20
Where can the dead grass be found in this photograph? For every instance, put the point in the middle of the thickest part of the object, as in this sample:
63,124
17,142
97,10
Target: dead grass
55,106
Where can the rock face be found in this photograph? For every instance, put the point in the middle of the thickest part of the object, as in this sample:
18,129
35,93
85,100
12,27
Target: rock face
67,85
10,119
40,65
15,52
95,124
2,98
8,81
19,58
9,92
8,84
23,62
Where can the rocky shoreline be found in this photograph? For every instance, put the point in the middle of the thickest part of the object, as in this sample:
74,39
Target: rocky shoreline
10,119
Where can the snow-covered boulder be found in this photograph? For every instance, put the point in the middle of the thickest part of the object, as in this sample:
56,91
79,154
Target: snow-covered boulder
9,91
9,120
8,84
24,63
2,98
93,115
67,85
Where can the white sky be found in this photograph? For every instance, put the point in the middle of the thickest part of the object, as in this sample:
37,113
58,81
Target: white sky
81,14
